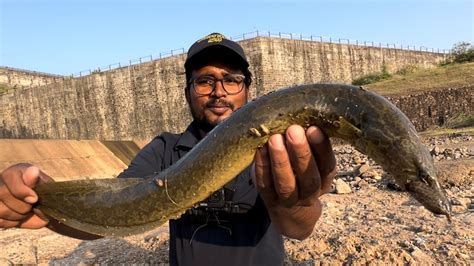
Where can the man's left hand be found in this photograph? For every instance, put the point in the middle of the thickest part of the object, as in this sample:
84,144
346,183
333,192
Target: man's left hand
291,172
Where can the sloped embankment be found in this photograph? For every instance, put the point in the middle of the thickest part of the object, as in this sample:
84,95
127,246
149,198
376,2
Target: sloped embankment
63,159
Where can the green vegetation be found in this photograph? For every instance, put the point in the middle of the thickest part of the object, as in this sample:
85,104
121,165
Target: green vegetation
461,52
413,81
372,78
447,131
407,70
3,89
457,71
460,121
6,89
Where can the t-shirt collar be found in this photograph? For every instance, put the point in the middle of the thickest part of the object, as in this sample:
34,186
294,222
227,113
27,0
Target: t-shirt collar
189,138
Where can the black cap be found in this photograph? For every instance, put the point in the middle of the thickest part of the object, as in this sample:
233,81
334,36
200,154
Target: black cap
215,40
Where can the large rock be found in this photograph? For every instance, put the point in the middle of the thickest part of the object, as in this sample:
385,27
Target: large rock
342,187
361,169
421,257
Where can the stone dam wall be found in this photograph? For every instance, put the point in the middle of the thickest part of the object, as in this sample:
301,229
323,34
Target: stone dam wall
140,101
20,78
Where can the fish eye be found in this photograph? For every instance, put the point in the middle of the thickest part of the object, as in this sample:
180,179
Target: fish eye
424,176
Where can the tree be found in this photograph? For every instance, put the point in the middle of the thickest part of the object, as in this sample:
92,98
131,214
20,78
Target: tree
462,52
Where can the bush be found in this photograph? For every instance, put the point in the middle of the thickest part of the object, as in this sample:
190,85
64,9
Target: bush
371,78
461,52
459,121
407,70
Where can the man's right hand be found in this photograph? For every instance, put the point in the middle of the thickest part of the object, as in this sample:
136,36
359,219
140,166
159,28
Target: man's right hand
17,197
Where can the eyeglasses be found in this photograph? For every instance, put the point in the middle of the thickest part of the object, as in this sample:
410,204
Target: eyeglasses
205,85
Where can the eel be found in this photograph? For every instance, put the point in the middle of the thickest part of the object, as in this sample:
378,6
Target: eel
368,121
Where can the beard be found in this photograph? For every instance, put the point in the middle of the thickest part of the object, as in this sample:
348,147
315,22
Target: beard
202,121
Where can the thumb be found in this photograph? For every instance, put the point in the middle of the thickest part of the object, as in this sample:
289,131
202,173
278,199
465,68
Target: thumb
31,176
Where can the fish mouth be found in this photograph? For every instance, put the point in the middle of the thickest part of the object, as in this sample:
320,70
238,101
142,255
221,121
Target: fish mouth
431,196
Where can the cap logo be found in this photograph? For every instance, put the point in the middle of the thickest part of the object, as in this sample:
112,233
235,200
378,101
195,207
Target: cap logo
213,38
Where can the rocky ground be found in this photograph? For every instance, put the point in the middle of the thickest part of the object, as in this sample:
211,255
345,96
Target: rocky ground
366,220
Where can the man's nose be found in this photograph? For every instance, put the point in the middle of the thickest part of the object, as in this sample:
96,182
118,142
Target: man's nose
219,90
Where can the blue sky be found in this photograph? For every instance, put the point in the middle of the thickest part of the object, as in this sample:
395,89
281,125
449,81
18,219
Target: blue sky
66,36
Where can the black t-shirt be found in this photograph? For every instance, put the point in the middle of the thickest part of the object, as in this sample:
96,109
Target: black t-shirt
213,237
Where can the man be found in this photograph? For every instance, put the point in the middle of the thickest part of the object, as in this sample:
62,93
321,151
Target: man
242,223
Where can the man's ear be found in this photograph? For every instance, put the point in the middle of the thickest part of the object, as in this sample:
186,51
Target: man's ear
186,94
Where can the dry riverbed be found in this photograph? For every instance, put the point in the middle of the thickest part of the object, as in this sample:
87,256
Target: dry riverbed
366,219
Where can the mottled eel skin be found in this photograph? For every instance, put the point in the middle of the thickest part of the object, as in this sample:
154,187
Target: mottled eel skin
368,121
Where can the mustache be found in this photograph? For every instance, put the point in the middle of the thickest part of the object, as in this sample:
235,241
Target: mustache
214,101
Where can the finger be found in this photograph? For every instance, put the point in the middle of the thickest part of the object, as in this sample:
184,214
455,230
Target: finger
13,203
9,214
33,222
15,194
263,175
19,179
283,178
31,176
303,163
324,155
8,224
